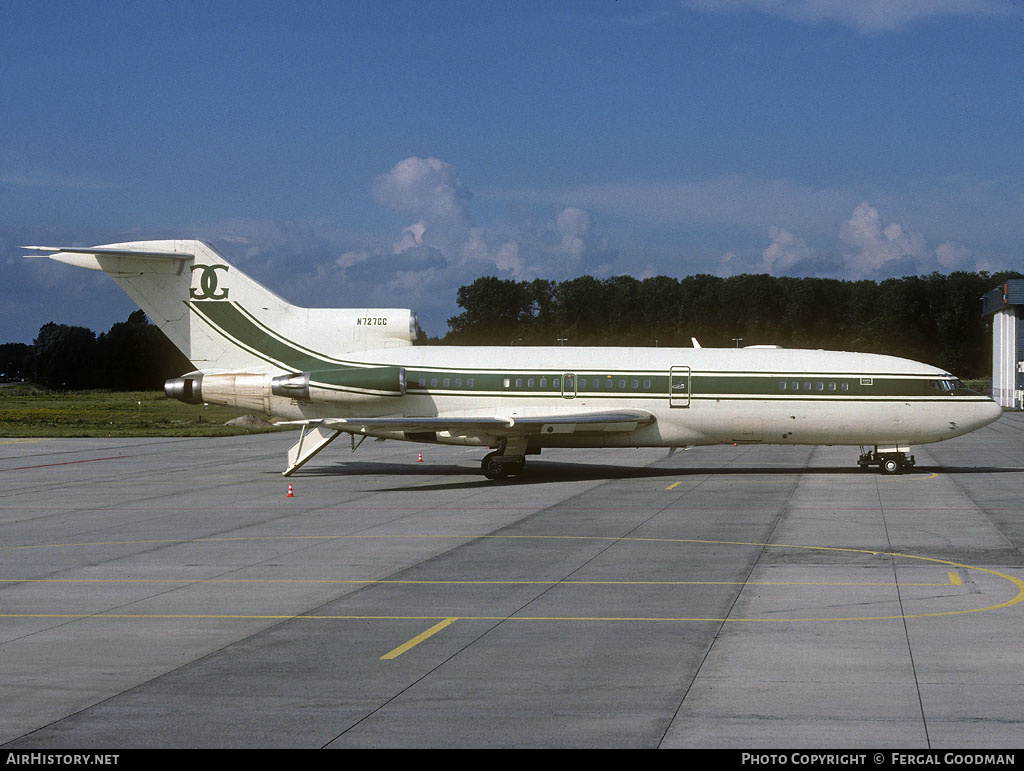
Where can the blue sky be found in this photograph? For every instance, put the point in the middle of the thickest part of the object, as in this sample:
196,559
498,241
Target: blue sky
385,153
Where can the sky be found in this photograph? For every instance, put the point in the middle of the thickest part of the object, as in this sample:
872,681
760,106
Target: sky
382,154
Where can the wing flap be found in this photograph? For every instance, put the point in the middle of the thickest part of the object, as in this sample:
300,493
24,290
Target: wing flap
466,425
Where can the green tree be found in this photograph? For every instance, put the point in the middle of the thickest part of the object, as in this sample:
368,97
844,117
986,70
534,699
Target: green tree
65,357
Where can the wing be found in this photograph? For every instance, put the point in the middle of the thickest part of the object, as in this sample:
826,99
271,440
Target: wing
466,425
317,434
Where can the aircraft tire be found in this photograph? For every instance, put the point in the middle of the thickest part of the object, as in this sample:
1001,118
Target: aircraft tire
891,466
494,468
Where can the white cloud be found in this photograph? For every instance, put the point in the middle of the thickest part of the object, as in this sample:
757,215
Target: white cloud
785,253
874,249
574,227
730,264
427,188
412,236
504,257
867,248
43,178
953,256
861,15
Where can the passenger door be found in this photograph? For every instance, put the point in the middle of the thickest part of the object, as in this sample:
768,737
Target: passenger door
569,385
679,387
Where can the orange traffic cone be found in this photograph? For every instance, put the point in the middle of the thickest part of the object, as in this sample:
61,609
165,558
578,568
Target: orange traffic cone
290,493
419,457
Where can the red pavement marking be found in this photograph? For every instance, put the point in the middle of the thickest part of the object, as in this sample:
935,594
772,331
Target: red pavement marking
66,463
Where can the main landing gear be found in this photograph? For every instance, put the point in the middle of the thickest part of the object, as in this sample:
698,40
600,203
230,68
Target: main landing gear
888,460
497,466
508,460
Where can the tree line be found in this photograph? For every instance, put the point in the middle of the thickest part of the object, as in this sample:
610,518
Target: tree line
133,355
934,319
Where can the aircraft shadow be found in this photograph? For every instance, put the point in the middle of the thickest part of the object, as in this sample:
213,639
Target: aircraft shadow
544,472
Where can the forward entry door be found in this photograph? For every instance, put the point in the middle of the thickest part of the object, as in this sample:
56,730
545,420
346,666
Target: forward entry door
679,387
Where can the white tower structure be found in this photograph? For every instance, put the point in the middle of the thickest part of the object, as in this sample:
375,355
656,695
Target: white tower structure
1007,348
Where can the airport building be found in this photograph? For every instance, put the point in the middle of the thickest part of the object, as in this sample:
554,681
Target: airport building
1004,305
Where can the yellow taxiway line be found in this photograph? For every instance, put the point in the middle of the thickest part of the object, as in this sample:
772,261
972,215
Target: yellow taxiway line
394,654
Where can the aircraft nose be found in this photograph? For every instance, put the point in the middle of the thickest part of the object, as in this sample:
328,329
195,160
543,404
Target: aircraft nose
987,412
993,412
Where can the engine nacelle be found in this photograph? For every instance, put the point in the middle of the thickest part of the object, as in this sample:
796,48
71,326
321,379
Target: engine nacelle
254,391
245,391
345,384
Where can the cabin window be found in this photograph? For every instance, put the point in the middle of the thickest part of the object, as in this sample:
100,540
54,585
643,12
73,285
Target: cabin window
622,384
555,383
831,386
634,384
796,386
423,382
582,383
609,383
433,382
543,382
821,386
507,382
469,382
647,385
519,382
458,382
782,385
446,382
529,383
844,386
807,386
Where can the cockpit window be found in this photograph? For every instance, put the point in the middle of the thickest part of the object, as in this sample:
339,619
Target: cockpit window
946,386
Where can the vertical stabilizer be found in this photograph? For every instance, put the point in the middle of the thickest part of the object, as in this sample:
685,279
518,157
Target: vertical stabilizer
221,319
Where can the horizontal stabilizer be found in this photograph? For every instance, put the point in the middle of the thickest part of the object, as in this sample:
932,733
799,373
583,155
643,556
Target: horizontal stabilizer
99,250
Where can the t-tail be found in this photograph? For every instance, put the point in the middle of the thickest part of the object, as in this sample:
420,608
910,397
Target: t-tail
224,321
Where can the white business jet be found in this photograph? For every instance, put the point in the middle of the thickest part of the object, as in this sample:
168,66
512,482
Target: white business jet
356,371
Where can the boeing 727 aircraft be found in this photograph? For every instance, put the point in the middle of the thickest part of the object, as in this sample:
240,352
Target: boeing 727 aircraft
355,371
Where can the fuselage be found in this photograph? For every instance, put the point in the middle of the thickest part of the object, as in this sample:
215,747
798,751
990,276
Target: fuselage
698,396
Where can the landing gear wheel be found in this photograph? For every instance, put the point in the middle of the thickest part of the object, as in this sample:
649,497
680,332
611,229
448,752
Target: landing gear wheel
891,466
493,467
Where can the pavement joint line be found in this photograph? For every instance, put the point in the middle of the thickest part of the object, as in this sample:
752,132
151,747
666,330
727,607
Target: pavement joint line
316,617
954,579
477,536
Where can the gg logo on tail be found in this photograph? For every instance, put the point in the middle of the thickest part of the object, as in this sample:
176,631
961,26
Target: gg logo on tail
208,283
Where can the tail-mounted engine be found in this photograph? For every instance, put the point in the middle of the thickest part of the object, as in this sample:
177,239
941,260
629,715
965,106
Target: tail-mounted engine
255,391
